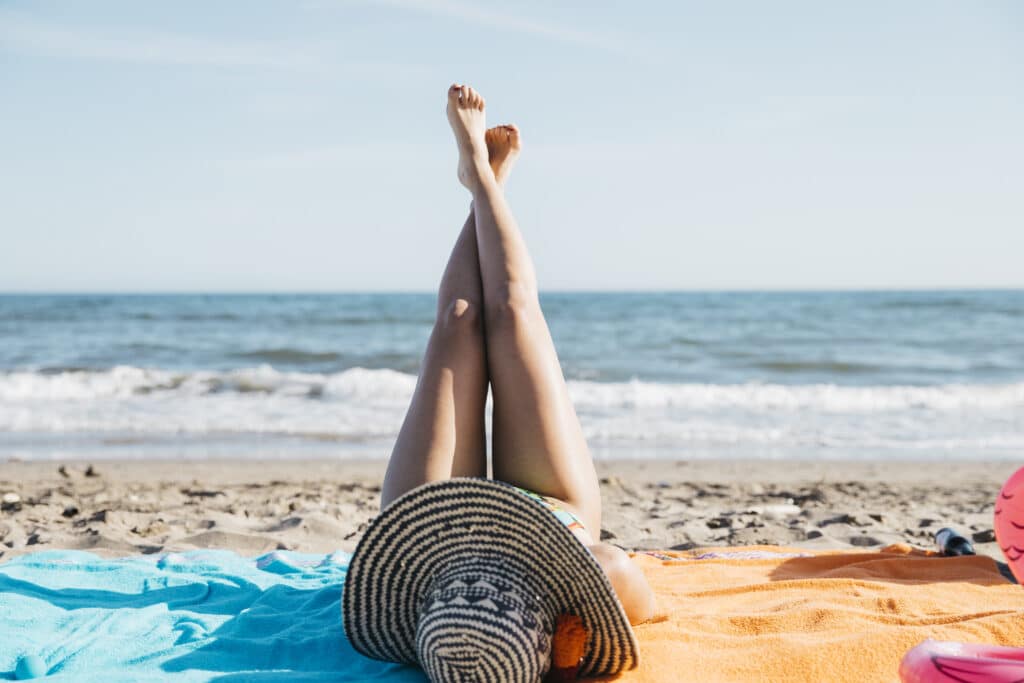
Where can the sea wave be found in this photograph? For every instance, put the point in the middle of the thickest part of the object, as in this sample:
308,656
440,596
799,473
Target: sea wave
289,355
358,405
127,381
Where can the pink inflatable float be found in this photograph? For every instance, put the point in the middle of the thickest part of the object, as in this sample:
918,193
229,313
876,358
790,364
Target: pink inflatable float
1010,523
937,662
934,661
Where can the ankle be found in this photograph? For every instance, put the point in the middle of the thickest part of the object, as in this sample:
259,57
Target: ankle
476,174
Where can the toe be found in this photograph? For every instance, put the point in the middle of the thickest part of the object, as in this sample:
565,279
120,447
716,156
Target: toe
475,99
454,92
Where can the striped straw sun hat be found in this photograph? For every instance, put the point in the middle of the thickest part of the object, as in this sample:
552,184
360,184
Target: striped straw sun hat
466,577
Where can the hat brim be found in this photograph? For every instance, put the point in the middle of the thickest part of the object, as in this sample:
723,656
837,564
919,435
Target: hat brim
420,532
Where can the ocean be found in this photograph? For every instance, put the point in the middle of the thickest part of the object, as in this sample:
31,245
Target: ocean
842,375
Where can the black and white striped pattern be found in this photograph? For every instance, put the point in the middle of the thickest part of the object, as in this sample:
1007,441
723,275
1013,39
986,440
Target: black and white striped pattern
480,623
465,577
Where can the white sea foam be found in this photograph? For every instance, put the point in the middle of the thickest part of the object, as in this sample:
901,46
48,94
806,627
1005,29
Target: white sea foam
367,406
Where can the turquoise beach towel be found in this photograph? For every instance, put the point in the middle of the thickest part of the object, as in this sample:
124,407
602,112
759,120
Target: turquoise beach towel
194,616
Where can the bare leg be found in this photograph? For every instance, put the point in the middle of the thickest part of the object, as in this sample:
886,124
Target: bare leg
538,442
443,432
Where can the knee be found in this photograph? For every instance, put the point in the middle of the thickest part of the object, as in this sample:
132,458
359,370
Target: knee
512,306
615,561
628,580
460,316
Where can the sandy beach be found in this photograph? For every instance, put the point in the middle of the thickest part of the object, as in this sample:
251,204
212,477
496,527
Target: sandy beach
116,508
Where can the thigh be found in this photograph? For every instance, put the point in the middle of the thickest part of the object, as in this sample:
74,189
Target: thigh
443,432
538,442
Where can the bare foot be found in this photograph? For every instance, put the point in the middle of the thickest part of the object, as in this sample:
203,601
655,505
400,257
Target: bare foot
466,116
503,146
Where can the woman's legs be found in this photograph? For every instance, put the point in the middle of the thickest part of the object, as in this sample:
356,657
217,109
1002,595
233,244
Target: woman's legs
537,442
443,433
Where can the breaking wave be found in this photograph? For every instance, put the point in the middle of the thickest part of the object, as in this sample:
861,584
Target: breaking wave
678,420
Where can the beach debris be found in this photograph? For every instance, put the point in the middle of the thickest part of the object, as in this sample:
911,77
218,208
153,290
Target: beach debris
360,529
864,541
35,538
984,536
684,545
814,533
950,543
721,522
852,520
99,516
91,472
69,511
201,493
11,498
63,471
815,495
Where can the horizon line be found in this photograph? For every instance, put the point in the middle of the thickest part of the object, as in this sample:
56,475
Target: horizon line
686,290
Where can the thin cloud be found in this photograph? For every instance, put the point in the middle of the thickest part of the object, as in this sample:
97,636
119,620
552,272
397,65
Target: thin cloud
29,36
481,16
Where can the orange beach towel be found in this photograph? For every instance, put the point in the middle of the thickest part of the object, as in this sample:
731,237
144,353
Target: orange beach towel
784,614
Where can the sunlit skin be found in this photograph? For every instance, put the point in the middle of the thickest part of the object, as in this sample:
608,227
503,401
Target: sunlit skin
490,331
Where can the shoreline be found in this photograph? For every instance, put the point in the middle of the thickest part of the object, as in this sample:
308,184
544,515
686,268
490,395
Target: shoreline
255,506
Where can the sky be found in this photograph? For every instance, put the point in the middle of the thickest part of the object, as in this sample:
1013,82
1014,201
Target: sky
302,145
